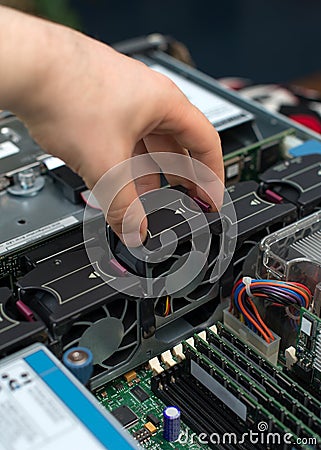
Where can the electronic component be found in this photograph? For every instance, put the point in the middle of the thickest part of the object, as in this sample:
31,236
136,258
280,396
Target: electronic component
254,213
246,154
139,393
154,365
167,359
79,361
225,378
130,376
270,350
18,325
142,435
251,302
175,223
231,346
172,423
293,253
225,371
308,350
233,170
178,352
297,181
70,184
103,394
153,419
290,357
80,307
44,405
125,416
150,427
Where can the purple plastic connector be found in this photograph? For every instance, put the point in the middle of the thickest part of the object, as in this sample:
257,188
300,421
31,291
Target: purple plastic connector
25,311
205,207
118,267
273,197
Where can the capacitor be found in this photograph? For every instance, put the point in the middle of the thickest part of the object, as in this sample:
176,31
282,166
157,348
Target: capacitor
79,360
172,423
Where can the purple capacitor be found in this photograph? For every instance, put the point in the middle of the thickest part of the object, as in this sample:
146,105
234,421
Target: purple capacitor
172,423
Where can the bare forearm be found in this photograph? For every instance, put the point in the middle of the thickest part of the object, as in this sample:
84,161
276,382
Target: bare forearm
30,52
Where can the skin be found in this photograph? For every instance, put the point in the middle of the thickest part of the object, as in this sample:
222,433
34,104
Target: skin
94,108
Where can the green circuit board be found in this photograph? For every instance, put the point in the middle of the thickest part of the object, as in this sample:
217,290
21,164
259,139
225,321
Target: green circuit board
119,393
308,348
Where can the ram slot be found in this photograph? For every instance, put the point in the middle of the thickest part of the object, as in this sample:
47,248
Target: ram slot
214,374
235,397
225,357
199,410
282,379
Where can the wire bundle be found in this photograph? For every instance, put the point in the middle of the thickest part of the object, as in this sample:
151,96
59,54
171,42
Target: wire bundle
289,295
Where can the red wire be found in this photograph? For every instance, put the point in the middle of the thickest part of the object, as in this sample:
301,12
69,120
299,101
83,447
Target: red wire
257,326
259,318
263,329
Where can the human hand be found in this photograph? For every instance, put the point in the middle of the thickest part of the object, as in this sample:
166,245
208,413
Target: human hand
95,108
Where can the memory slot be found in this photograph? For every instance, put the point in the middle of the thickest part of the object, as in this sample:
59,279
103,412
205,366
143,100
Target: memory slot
236,362
242,395
223,354
200,411
282,379
188,400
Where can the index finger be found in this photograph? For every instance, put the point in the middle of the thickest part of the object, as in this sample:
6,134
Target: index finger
193,131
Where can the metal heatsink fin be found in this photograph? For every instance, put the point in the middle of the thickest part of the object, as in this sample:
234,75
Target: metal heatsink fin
309,246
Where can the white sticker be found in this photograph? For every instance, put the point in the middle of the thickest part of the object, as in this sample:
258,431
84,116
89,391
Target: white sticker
306,326
7,149
220,391
52,162
32,417
220,112
37,234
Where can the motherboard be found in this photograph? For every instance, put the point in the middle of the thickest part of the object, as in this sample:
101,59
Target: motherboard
209,335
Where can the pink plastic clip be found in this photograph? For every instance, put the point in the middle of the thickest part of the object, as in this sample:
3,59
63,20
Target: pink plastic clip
25,311
205,207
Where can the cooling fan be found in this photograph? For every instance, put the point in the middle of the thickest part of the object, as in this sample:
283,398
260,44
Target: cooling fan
79,307
111,332
201,289
178,235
